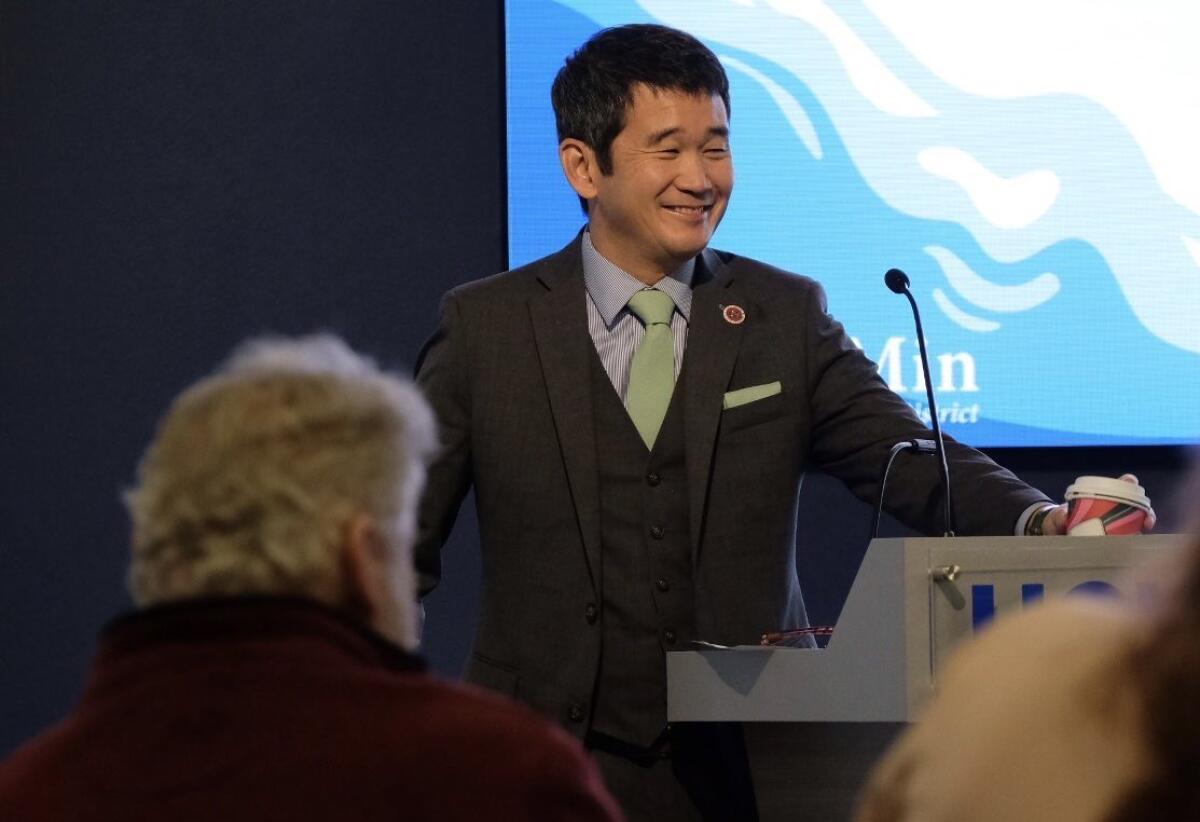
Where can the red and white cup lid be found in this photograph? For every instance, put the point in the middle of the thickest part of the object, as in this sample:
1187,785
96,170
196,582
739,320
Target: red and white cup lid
1109,488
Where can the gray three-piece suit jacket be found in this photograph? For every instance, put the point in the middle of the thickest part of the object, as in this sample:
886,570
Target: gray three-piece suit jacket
508,374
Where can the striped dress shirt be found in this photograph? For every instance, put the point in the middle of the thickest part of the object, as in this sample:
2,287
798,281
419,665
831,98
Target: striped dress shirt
616,331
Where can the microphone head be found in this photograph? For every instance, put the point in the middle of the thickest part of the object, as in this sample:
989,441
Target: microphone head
896,280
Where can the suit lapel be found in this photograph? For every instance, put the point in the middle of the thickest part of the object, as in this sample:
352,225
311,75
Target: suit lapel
712,350
564,347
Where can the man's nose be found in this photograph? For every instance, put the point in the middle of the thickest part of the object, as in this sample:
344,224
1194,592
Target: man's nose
693,175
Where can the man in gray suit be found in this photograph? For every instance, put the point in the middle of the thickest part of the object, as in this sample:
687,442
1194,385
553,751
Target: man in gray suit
636,413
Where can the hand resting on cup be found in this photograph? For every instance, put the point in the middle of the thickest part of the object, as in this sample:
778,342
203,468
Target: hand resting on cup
1055,523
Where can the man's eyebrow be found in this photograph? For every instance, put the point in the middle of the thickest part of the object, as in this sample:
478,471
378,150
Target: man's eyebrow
658,136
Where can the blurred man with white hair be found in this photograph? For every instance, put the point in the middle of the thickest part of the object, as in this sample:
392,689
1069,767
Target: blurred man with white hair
268,673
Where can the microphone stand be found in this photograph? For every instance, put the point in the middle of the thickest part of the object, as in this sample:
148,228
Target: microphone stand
898,282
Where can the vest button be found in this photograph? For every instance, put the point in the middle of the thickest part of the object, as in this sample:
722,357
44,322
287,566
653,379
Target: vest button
589,613
663,585
575,713
669,637
657,532
653,479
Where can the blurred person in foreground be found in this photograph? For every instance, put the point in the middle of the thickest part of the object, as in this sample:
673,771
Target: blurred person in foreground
268,672
1080,710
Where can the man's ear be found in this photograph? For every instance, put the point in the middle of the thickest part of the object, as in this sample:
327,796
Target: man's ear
363,551
579,165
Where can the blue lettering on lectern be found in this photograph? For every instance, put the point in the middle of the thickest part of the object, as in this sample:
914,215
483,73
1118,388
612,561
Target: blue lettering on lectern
983,605
1032,592
983,597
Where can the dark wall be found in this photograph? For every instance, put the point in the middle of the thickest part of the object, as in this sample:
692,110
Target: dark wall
176,177
173,178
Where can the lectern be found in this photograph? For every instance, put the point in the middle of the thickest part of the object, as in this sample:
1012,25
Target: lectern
816,719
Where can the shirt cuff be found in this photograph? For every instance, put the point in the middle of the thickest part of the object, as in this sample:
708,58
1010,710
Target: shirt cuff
1023,520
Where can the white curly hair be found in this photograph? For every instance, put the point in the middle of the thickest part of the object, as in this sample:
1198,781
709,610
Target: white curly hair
256,470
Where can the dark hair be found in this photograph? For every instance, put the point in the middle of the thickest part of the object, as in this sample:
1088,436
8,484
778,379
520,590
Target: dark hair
1165,671
594,88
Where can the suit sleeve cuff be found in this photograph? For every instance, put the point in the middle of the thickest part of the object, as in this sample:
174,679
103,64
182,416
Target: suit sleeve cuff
1023,520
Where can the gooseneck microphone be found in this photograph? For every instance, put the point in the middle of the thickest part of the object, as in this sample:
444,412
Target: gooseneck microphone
898,282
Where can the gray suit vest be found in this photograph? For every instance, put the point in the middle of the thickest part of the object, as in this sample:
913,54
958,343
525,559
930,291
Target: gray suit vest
648,603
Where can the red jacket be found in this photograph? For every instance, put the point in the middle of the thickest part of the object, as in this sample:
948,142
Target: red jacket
278,709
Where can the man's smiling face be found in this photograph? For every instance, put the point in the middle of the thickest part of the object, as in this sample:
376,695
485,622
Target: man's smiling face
672,174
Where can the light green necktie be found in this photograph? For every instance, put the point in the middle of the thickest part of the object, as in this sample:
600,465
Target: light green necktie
652,372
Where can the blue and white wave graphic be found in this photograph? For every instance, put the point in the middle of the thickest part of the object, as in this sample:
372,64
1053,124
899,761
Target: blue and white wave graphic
1060,282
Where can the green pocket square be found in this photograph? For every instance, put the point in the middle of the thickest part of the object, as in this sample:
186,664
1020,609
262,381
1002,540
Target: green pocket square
751,394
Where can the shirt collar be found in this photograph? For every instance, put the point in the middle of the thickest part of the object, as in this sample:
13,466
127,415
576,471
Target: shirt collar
610,286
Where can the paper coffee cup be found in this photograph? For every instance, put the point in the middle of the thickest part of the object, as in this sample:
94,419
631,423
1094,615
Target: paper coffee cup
1102,505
